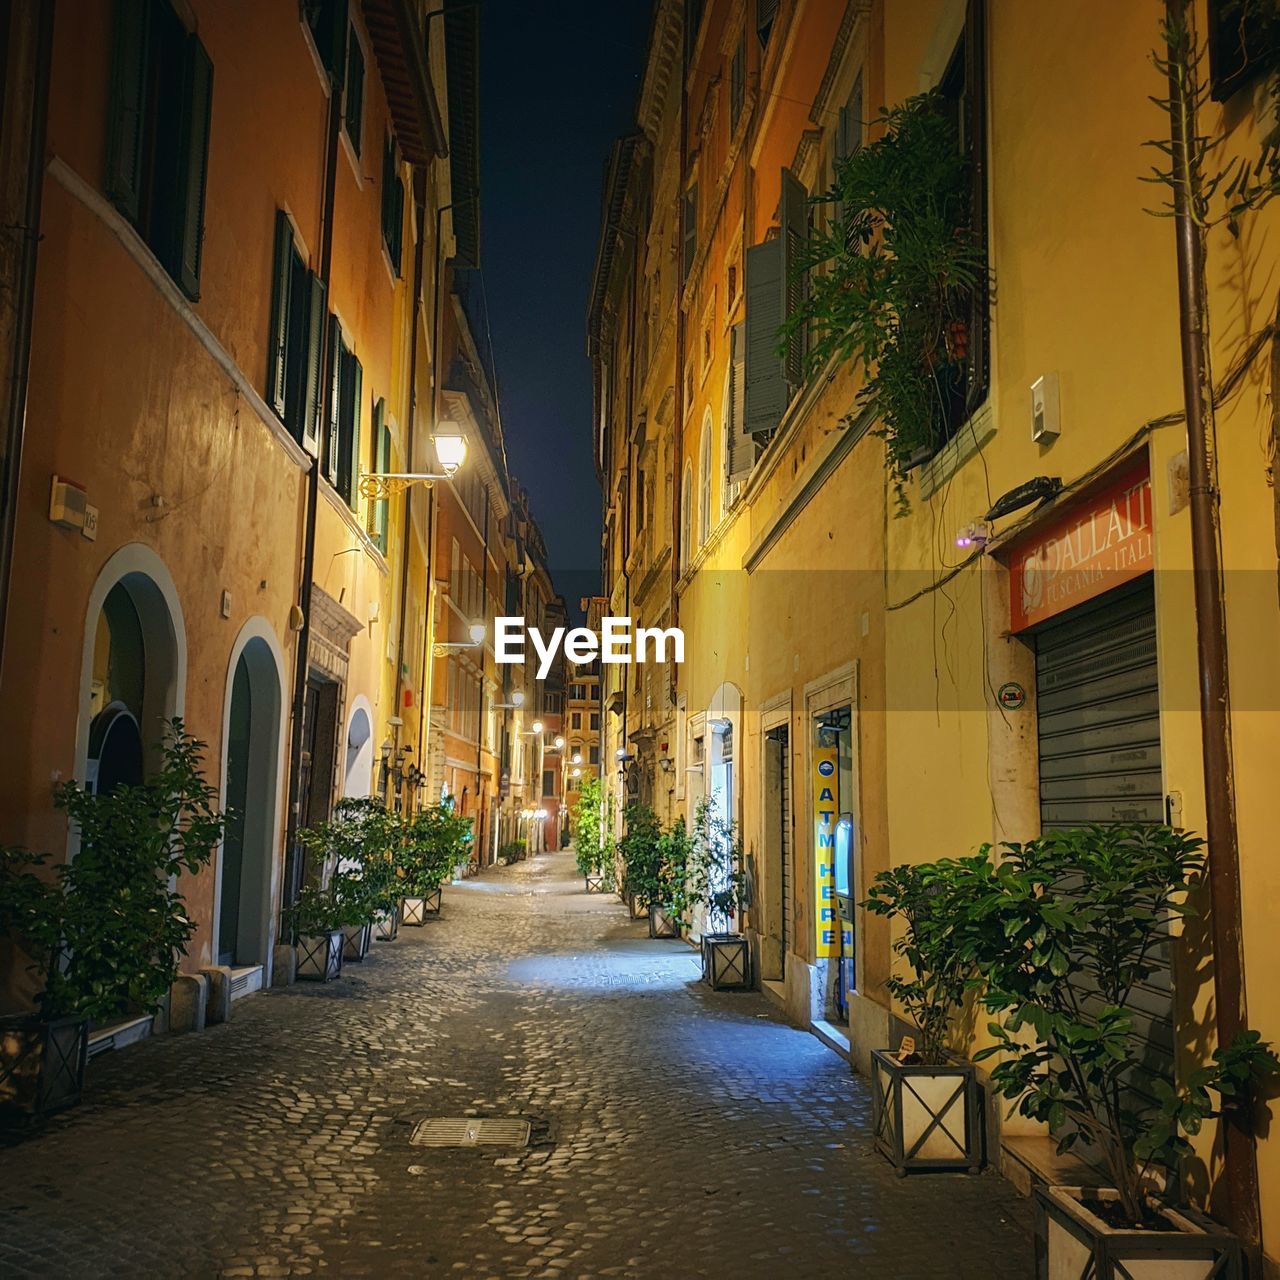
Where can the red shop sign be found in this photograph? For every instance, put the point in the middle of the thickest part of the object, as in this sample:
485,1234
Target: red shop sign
1084,551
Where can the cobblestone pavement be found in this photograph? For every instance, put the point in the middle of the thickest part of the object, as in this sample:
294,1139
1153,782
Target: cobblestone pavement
678,1132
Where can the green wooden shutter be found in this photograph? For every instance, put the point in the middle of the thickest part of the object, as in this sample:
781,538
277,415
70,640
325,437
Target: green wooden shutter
765,391
742,444
337,357
349,459
353,107
328,22
313,396
193,163
126,112
690,229
794,219
278,357
379,462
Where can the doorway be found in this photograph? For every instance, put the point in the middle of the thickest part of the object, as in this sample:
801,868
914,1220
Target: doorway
253,744
777,851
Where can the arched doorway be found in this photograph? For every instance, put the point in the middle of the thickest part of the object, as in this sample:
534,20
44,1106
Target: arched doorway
133,670
252,770
358,775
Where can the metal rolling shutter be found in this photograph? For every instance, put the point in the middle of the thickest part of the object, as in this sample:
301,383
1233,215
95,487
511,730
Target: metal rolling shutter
1099,735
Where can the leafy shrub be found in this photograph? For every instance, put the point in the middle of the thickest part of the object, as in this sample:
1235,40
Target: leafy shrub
435,841
106,931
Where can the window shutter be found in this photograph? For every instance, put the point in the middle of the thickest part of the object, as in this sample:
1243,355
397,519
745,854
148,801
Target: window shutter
765,390
313,396
742,444
125,120
349,460
794,218
975,143
279,338
766,11
193,163
737,81
690,229
328,22
353,113
337,356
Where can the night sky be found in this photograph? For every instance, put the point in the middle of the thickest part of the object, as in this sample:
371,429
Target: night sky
559,81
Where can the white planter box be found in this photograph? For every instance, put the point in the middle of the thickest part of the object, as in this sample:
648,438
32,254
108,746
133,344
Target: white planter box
726,961
926,1117
1074,1244
386,925
414,911
661,925
355,941
320,957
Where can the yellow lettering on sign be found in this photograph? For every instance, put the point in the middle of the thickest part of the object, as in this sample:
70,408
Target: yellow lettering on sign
825,815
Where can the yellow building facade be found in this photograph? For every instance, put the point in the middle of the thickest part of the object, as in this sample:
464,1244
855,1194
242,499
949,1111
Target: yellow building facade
971,676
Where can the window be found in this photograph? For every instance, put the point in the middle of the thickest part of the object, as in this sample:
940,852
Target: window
766,12
704,481
392,205
327,22
595,720
381,462
593,756
158,134
1241,34
692,24
774,287
963,91
353,91
342,459
575,720
737,82
296,340
686,516
548,782
689,228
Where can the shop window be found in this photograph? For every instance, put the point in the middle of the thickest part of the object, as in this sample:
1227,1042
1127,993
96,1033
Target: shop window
158,121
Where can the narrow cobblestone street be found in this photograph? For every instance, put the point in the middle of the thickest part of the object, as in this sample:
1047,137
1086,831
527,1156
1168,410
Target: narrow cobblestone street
676,1131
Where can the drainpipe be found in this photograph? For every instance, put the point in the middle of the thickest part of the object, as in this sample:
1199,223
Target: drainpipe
295,861
37,28
409,434
1240,1164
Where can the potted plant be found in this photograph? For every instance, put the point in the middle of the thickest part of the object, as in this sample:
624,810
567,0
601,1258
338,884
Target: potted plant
317,923
926,1107
641,858
435,840
590,847
716,884
670,896
1063,931
106,931
357,847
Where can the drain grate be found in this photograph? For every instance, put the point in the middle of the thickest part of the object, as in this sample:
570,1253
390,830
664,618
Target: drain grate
471,1131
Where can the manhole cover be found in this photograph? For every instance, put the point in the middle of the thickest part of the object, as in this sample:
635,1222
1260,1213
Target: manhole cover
470,1131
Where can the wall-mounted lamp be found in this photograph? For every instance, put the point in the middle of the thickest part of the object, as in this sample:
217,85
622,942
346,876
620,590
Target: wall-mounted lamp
451,453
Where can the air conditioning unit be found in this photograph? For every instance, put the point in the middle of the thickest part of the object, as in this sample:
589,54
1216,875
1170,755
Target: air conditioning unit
1046,423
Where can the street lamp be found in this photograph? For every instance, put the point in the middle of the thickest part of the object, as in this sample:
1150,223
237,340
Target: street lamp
517,701
451,453
559,743
476,632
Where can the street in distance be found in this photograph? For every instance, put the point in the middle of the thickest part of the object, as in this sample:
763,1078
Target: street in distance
617,642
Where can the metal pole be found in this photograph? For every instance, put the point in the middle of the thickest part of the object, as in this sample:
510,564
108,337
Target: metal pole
1240,1168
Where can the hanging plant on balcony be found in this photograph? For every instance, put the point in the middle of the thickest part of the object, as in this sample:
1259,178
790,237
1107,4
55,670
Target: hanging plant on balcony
890,278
